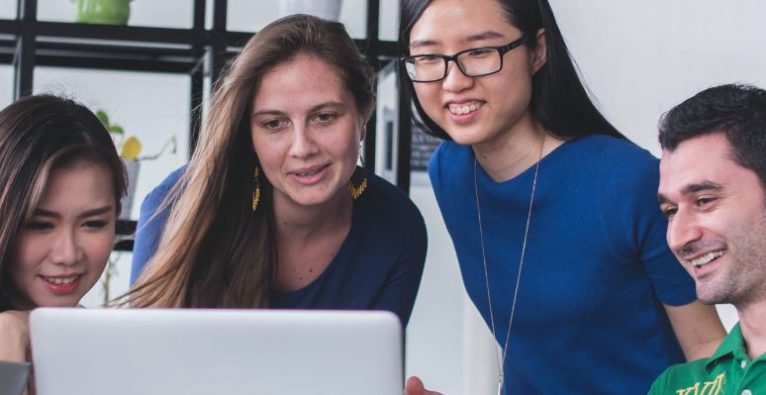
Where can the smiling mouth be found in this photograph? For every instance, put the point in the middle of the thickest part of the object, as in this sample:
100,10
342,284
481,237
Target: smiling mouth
309,172
61,280
462,109
705,259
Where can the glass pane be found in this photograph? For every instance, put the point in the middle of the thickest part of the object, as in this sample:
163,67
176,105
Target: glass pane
387,136
387,126
165,13
6,85
117,283
152,107
251,16
8,9
389,20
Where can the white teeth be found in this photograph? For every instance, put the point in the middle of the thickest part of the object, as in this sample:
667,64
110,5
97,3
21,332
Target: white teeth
60,281
307,173
464,109
705,259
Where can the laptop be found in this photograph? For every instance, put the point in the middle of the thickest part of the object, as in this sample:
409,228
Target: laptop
13,377
184,351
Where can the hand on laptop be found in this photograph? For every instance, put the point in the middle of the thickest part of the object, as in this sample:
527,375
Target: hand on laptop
14,336
415,387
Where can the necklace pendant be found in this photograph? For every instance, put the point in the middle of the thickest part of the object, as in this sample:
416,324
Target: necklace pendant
500,385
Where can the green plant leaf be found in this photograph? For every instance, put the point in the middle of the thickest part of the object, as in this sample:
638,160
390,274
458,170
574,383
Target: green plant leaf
101,115
116,129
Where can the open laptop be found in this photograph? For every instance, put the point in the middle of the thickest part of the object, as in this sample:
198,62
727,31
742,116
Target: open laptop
183,351
13,377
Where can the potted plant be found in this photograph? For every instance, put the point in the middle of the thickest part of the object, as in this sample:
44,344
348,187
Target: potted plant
130,150
107,12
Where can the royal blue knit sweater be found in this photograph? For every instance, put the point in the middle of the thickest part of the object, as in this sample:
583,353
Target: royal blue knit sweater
589,317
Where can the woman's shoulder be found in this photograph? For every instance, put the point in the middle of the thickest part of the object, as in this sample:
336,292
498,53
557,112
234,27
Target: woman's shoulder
385,207
449,164
173,177
614,156
158,193
611,146
450,154
385,217
386,197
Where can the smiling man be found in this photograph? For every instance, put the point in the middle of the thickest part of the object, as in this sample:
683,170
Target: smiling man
713,191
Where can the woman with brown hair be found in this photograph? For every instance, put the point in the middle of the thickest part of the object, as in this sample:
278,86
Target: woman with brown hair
272,210
61,181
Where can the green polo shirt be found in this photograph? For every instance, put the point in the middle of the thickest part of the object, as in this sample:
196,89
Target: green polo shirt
728,372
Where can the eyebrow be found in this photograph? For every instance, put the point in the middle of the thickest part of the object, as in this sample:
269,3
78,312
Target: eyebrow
693,188
331,104
96,211
489,34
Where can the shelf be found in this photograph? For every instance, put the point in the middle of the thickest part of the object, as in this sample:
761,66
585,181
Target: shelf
133,48
124,240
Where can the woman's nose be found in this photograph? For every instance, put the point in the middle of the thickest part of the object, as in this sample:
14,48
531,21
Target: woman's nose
303,144
66,249
455,80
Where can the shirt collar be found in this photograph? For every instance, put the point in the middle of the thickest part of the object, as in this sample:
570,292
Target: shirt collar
732,346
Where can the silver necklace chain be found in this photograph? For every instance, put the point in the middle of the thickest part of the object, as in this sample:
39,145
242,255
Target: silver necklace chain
501,355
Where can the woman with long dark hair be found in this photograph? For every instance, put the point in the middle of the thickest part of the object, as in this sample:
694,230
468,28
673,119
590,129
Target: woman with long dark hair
61,181
551,210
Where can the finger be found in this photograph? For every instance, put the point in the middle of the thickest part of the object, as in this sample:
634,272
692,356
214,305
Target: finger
414,387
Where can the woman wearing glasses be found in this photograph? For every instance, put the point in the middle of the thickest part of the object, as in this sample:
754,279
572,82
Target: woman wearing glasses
551,210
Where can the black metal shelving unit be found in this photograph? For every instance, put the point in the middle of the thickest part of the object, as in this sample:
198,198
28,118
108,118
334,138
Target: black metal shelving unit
196,52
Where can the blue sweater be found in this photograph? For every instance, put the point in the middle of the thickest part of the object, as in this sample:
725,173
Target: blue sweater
589,317
378,266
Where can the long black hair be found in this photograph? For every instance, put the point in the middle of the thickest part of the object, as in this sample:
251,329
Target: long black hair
559,102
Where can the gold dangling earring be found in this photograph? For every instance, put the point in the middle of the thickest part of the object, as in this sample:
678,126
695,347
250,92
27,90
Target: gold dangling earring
256,187
358,183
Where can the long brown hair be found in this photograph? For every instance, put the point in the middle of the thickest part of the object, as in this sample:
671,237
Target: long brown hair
215,251
39,134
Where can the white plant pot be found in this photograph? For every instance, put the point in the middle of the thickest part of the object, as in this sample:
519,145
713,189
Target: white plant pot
326,9
132,167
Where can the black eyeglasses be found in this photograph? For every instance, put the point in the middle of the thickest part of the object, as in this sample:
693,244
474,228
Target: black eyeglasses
474,62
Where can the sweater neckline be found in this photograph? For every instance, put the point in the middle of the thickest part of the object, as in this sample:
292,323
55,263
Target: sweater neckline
526,175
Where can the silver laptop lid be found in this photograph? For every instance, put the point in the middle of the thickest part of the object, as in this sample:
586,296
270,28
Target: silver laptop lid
180,351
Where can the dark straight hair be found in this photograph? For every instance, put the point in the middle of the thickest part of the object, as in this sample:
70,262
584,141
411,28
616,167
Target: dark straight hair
40,134
559,102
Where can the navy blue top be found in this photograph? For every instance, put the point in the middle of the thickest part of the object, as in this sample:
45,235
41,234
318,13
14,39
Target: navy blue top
377,267
589,315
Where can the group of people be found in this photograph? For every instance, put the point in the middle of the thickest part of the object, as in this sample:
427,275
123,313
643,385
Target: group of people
587,284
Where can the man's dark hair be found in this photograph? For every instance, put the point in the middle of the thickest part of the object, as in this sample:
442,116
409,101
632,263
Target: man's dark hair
737,111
